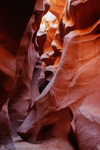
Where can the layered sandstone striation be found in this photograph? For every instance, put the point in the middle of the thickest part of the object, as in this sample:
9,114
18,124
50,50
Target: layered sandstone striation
49,73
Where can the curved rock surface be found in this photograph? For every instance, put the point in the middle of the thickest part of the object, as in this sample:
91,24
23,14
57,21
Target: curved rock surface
50,94
77,73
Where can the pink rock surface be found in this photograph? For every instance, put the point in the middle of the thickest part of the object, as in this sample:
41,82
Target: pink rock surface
75,83
50,94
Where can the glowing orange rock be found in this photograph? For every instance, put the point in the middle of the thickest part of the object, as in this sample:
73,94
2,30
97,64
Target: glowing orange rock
74,90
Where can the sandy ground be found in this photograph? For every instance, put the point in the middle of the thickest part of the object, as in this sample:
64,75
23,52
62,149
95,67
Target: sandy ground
51,144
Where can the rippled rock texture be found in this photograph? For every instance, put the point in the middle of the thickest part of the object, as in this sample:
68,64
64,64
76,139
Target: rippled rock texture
49,73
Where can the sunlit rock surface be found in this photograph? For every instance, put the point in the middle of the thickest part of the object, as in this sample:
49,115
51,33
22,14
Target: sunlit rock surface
57,7
49,74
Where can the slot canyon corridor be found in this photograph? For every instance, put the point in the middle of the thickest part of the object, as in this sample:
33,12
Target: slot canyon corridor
49,74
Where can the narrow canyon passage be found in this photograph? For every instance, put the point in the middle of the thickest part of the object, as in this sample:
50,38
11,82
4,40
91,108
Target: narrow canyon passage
50,74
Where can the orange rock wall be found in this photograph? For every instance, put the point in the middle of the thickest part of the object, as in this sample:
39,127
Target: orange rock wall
48,94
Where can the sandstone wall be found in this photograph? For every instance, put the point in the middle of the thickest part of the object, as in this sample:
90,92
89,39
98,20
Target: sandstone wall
50,94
